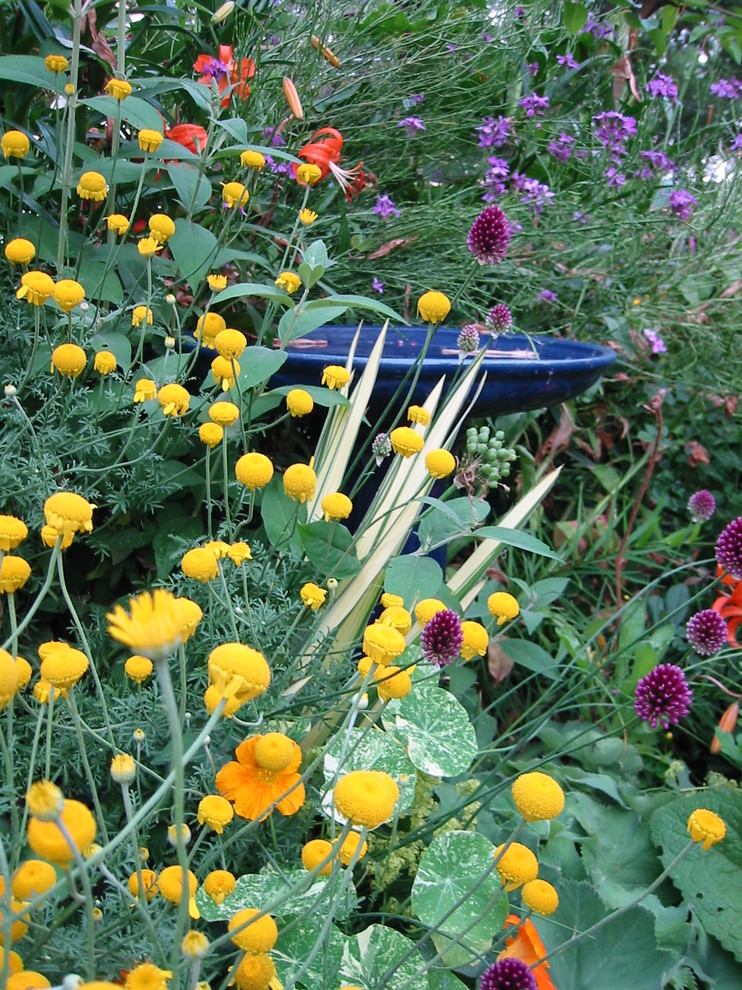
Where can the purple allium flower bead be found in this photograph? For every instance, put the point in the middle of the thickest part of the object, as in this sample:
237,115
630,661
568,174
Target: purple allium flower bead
489,236
442,638
381,447
499,318
701,505
468,339
706,632
508,974
663,696
729,548
384,207
662,85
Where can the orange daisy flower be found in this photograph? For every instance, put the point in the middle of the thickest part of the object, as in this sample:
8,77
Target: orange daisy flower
264,777
527,945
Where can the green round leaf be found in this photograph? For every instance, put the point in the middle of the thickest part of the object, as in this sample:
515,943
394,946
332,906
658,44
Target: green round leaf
458,893
380,958
298,947
438,735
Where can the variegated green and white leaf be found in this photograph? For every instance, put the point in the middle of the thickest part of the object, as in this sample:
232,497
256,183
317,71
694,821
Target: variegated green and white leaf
285,895
379,958
436,730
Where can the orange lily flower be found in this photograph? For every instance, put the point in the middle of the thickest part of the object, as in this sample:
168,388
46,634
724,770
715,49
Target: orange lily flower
226,72
527,945
190,136
729,608
324,151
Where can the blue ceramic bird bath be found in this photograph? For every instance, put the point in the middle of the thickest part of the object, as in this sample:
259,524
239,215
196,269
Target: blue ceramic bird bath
522,372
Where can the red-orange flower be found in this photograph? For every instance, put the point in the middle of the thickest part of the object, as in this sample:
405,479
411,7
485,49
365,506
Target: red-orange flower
324,151
190,136
526,945
729,608
226,72
265,773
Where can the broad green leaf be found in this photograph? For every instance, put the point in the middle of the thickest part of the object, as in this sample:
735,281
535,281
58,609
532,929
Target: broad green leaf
440,738
189,184
412,577
29,69
372,749
286,895
530,655
316,254
379,958
575,16
442,979
257,364
623,953
450,519
710,881
193,247
293,325
253,289
330,549
458,894
310,275
358,302
298,950
515,538
236,127
134,110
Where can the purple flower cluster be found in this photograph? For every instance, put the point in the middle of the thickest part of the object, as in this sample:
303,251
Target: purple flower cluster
658,344
534,105
597,29
656,163
706,632
547,296
378,286
662,85
411,125
613,129
413,99
615,178
561,149
272,136
568,60
509,973
727,89
384,207
441,639
489,236
495,178
729,548
663,696
537,194
701,505
533,68
682,203
737,143
493,133
277,168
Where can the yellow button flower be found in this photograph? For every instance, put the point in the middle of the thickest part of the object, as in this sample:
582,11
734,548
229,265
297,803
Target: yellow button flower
252,159
397,617
15,144
366,797
239,552
33,878
123,768
540,896
12,532
139,315
174,399
147,976
149,883
336,505
119,224
170,882
388,600
216,282
299,402
105,362
225,371
230,343
44,800
307,217
537,796
312,595
517,866
56,63
289,281
706,827
392,682
251,936
194,945
382,643
234,194
224,413
219,884
335,376
161,227
434,307
440,463
417,414
503,606
14,572
238,671
68,294
315,852
347,850
118,88
406,441
308,174
69,360
48,841
19,251
62,665
210,434
476,639
299,482
92,185
138,668
200,564
8,678
253,470
69,513
36,287
215,811
147,246
255,972
149,140
145,390
24,671
153,626
207,327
